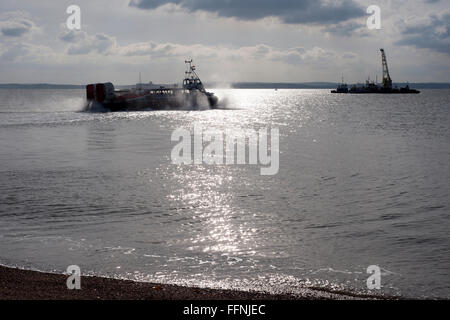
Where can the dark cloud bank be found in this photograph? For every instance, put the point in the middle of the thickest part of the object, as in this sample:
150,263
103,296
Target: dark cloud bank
288,11
15,28
434,35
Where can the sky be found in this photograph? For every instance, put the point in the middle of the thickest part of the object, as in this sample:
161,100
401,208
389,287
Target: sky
229,40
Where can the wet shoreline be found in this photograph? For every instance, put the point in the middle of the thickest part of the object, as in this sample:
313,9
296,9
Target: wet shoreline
18,284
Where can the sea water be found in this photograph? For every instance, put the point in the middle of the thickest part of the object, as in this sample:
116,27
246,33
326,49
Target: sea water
363,180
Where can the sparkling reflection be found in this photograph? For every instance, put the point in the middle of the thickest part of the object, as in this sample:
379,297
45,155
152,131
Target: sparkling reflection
209,191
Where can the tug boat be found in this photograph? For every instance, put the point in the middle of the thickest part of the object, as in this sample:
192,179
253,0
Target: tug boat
191,94
342,87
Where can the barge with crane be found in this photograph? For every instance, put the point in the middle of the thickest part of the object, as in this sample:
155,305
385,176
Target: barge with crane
372,87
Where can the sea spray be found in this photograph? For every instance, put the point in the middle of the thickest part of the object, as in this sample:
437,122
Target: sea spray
93,106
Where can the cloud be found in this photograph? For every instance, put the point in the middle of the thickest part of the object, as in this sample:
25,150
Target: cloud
15,24
300,55
349,55
434,34
149,48
347,29
72,36
17,50
83,43
294,55
288,11
28,53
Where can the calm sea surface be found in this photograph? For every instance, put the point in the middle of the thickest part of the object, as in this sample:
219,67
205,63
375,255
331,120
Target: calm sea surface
363,180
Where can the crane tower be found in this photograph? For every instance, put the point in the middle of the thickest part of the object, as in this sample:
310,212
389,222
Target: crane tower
387,82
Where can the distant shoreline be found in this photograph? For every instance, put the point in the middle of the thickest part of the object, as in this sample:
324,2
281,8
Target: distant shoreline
18,284
234,85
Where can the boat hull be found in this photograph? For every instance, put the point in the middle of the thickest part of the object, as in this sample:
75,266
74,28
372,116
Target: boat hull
158,99
364,90
162,102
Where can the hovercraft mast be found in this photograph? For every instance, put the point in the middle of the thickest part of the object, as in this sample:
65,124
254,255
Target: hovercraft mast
192,80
